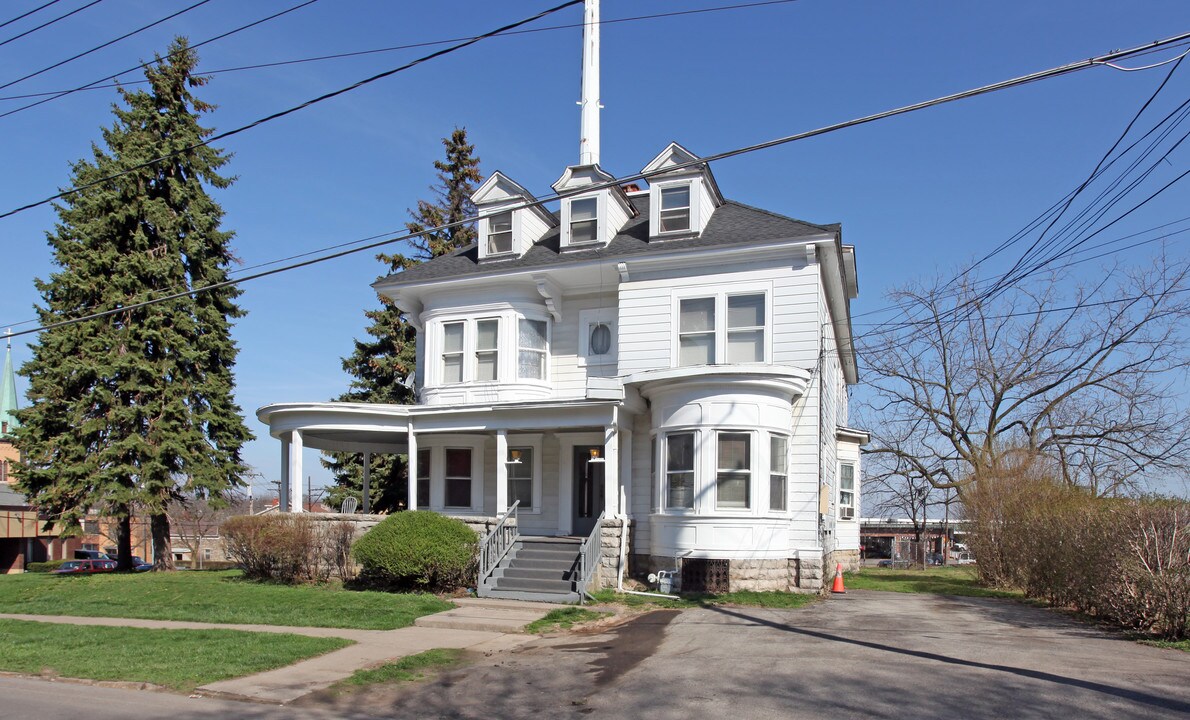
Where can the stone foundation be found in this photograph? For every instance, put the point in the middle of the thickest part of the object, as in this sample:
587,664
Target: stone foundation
787,575
848,558
609,552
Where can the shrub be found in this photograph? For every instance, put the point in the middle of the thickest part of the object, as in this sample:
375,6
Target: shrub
418,550
44,567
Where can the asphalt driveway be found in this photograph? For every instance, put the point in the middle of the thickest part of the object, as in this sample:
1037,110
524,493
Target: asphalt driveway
862,655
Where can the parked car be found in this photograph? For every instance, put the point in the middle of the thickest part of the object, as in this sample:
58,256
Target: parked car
85,567
91,555
885,563
964,558
139,564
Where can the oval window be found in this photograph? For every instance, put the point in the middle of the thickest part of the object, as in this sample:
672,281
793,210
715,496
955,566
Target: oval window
601,339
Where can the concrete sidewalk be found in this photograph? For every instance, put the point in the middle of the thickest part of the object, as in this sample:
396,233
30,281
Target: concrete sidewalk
477,625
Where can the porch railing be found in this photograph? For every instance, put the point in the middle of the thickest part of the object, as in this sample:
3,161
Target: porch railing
588,559
496,544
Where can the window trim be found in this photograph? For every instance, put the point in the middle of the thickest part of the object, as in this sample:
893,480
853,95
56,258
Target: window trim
588,319
689,207
545,352
461,352
664,472
784,509
749,502
428,468
488,233
568,222
532,441
840,505
476,351
721,330
437,445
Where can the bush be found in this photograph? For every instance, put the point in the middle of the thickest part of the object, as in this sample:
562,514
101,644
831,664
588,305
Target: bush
1123,560
44,567
288,548
418,550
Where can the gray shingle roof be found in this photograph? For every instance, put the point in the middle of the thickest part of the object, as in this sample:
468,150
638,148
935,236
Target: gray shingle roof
732,223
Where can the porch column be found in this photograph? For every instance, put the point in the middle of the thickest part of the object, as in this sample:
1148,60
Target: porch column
295,471
625,437
283,486
411,491
611,471
501,472
367,494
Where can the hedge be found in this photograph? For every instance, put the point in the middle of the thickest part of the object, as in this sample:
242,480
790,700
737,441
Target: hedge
44,567
418,550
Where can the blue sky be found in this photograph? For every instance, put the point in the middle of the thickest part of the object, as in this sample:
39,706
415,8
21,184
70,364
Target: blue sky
917,195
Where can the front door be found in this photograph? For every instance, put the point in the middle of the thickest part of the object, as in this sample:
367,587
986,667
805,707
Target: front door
588,489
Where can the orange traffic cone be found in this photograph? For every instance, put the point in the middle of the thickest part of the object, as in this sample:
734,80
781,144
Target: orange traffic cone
838,586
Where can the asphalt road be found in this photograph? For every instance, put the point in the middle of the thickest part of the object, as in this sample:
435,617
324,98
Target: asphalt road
862,655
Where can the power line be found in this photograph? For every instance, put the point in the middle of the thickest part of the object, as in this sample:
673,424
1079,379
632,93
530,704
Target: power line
1024,79
94,84
358,53
113,41
24,15
45,24
296,108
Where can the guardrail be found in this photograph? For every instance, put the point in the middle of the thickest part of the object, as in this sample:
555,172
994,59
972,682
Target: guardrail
496,544
588,559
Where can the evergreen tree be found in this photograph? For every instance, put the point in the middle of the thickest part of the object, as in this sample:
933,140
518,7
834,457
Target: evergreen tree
131,410
380,363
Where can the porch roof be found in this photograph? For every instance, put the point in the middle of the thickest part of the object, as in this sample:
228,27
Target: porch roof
375,427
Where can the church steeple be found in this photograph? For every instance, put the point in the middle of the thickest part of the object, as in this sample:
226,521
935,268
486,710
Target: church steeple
8,393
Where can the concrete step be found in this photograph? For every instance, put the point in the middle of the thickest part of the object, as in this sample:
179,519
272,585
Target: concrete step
536,573
532,585
534,598
502,603
503,617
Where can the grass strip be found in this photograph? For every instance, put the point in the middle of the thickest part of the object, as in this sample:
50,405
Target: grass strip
745,598
934,580
1183,645
178,659
407,669
216,597
563,619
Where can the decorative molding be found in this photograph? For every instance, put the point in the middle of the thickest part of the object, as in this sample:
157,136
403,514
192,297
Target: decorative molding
552,294
622,268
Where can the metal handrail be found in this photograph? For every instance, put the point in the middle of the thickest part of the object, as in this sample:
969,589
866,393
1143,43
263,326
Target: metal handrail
588,558
496,544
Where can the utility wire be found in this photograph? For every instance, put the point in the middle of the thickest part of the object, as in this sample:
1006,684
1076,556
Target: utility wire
48,23
1024,79
296,108
109,43
358,53
24,15
94,84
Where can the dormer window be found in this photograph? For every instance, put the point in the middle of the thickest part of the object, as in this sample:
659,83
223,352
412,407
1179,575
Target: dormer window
675,208
500,233
584,220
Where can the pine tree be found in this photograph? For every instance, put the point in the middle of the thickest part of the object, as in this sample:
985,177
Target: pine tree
380,363
130,410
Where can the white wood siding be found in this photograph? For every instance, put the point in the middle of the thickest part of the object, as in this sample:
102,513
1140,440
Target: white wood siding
570,378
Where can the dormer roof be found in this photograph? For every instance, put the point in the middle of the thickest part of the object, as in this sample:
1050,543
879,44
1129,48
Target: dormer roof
499,189
675,161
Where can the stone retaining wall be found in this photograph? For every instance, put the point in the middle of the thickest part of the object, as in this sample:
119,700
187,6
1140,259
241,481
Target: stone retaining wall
786,574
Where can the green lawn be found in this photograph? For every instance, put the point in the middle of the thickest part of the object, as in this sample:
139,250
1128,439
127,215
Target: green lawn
216,597
771,599
407,669
179,659
563,619
934,580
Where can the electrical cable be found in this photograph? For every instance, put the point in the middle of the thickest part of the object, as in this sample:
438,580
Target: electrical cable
94,84
46,24
24,15
358,53
984,89
109,43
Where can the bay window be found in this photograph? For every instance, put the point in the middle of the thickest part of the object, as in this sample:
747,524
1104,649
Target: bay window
778,471
531,349
487,356
679,471
733,476
452,353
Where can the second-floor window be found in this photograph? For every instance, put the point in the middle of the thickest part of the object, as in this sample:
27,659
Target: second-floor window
531,349
452,352
487,353
721,329
500,233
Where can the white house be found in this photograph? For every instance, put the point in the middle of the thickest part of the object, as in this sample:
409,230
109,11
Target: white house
660,371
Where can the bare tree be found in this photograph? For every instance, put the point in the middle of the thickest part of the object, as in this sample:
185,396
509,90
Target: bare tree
907,494
194,518
1090,379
